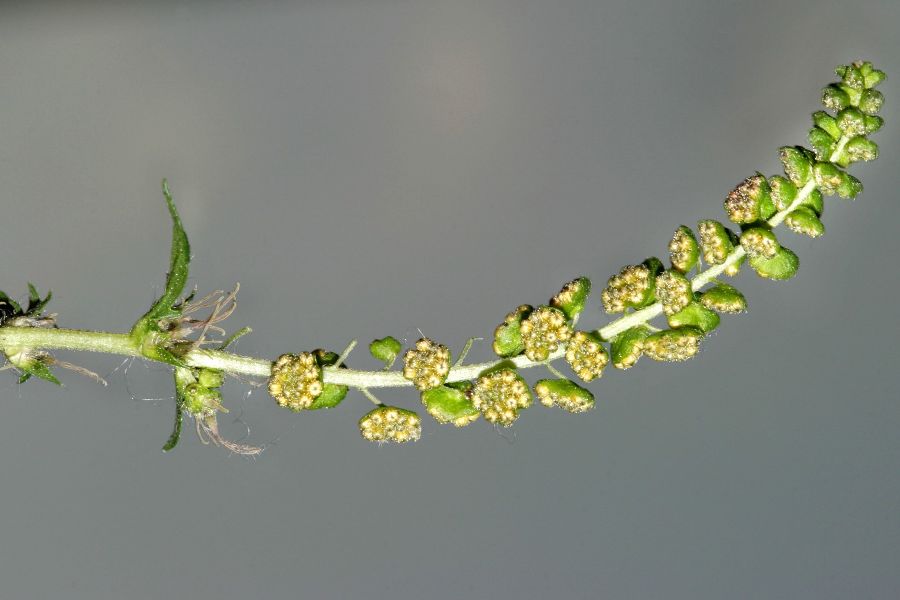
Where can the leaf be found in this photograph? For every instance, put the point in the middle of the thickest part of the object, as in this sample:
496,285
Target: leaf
450,404
385,349
178,268
176,428
35,304
695,315
38,369
332,395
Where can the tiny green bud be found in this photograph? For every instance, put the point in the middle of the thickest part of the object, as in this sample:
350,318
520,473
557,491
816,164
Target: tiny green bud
874,77
210,378
796,163
822,143
759,241
871,101
572,297
804,220
683,249
814,201
696,315
449,404
201,401
827,123
783,191
391,424
499,395
715,241
543,331
850,186
586,355
627,347
673,345
835,98
851,76
782,266
296,380
862,148
565,394
673,291
385,349
724,298
851,121
828,177
743,202
508,334
427,364
873,123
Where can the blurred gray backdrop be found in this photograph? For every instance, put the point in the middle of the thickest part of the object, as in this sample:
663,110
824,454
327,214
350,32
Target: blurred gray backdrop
380,167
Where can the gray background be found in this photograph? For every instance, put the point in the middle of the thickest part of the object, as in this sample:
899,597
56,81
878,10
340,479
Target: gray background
370,168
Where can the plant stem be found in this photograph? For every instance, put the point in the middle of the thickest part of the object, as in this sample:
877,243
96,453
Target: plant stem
33,338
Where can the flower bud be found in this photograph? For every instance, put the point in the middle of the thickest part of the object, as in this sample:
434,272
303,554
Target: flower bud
851,76
783,191
673,291
782,266
871,101
427,365
743,202
572,297
565,394
850,186
797,163
822,143
835,98
451,404
296,380
391,424
715,242
873,124
673,345
499,395
201,401
508,334
828,177
724,298
872,76
627,347
851,121
827,123
758,241
695,315
804,220
210,378
633,287
385,349
683,249
586,355
543,331
861,148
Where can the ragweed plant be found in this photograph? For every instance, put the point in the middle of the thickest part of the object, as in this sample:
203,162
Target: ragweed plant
688,298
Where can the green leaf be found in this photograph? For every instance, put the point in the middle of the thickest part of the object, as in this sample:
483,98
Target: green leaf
385,349
450,404
696,315
179,260
782,266
35,303
11,304
332,395
176,428
39,369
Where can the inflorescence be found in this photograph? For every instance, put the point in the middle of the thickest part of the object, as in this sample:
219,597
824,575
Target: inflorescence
688,296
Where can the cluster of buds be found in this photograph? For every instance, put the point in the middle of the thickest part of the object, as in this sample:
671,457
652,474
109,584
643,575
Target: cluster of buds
391,424
724,299
296,380
632,287
758,241
716,241
586,355
508,334
543,331
427,365
673,290
564,394
500,395
749,201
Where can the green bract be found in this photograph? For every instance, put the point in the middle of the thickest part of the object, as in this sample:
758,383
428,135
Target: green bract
508,334
724,298
572,297
797,163
626,348
385,349
565,394
696,315
804,220
450,403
